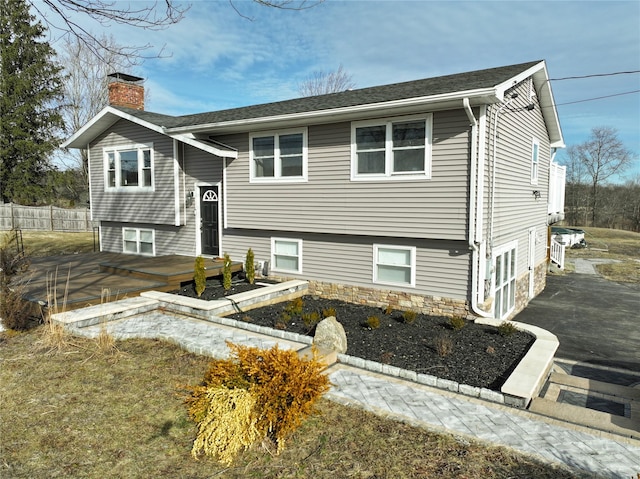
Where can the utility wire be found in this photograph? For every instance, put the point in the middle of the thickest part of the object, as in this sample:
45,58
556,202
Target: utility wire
598,98
594,75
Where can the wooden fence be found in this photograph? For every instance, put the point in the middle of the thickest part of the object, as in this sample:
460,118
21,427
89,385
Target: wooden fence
45,218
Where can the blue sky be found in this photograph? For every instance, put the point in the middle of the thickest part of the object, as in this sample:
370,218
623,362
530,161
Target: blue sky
221,60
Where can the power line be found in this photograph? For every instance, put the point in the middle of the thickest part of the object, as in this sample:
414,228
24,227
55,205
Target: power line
598,98
594,75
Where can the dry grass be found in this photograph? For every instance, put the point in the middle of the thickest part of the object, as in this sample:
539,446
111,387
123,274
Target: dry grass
620,245
83,414
51,243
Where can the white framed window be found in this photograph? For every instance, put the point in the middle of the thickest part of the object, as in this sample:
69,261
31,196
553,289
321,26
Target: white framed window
504,279
286,255
397,148
138,241
394,265
278,156
129,167
535,152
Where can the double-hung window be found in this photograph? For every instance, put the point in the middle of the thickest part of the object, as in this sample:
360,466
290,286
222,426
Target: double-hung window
138,241
398,148
394,265
535,152
129,167
504,276
278,156
286,255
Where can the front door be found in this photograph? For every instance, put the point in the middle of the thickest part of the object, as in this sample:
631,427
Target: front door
209,220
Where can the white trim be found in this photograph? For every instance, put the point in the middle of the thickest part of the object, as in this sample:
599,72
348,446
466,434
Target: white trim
277,161
198,233
535,161
138,241
531,260
273,255
176,184
230,153
389,174
483,95
412,265
139,148
224,193
102,121
90,182
500,251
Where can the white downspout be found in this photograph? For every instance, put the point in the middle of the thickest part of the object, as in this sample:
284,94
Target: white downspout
472,211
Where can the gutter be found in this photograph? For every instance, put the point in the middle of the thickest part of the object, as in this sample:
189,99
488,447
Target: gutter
473,244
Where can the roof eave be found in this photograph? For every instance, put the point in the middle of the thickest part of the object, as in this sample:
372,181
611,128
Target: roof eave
476,97
101,122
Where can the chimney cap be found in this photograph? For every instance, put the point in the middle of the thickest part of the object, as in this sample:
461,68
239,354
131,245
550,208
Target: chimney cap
125,77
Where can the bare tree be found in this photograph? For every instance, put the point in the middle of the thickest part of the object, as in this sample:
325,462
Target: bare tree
86,90
321,83
603,155
61,16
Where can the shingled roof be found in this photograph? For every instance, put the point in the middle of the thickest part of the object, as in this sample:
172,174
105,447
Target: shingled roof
485,86
460,82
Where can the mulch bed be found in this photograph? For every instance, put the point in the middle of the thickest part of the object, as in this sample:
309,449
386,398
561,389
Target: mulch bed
479,355
214,289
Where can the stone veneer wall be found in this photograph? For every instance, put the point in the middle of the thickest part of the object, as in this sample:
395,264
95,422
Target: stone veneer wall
522,287
431,305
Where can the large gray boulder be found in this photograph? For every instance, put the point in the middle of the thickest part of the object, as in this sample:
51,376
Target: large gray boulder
330,335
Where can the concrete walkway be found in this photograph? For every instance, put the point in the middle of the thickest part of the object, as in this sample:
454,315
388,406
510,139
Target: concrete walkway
598,453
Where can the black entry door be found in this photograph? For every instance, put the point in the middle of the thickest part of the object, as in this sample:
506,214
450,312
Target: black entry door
209,220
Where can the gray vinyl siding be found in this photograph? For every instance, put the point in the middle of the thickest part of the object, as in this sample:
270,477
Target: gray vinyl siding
329,202
165,237
516,209
441,266
155,207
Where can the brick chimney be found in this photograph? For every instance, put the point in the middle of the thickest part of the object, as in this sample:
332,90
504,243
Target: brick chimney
126,90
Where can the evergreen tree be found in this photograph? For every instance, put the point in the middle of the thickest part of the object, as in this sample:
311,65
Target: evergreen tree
30,90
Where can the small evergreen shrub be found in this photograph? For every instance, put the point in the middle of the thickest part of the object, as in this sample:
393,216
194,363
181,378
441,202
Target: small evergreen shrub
199,276
373,322
283,320
457,323
250,267
226,272
507,329
310,319
409,317
253,395
388,309
328,312
295,307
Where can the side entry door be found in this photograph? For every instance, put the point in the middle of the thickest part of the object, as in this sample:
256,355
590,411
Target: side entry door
209,220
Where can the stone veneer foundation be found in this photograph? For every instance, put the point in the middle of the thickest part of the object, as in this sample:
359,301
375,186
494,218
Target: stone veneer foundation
431,305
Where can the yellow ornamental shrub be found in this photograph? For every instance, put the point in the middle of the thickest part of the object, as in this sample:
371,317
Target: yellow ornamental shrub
226,272
228,426
283,387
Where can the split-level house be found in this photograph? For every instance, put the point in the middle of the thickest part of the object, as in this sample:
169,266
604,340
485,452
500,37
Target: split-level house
434,195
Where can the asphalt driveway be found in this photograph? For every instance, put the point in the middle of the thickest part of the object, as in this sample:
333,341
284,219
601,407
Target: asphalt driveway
596,321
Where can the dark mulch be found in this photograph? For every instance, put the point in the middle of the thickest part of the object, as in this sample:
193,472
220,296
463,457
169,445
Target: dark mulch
479,355
214,289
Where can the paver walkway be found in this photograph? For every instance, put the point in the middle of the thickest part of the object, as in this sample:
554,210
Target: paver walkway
421,405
